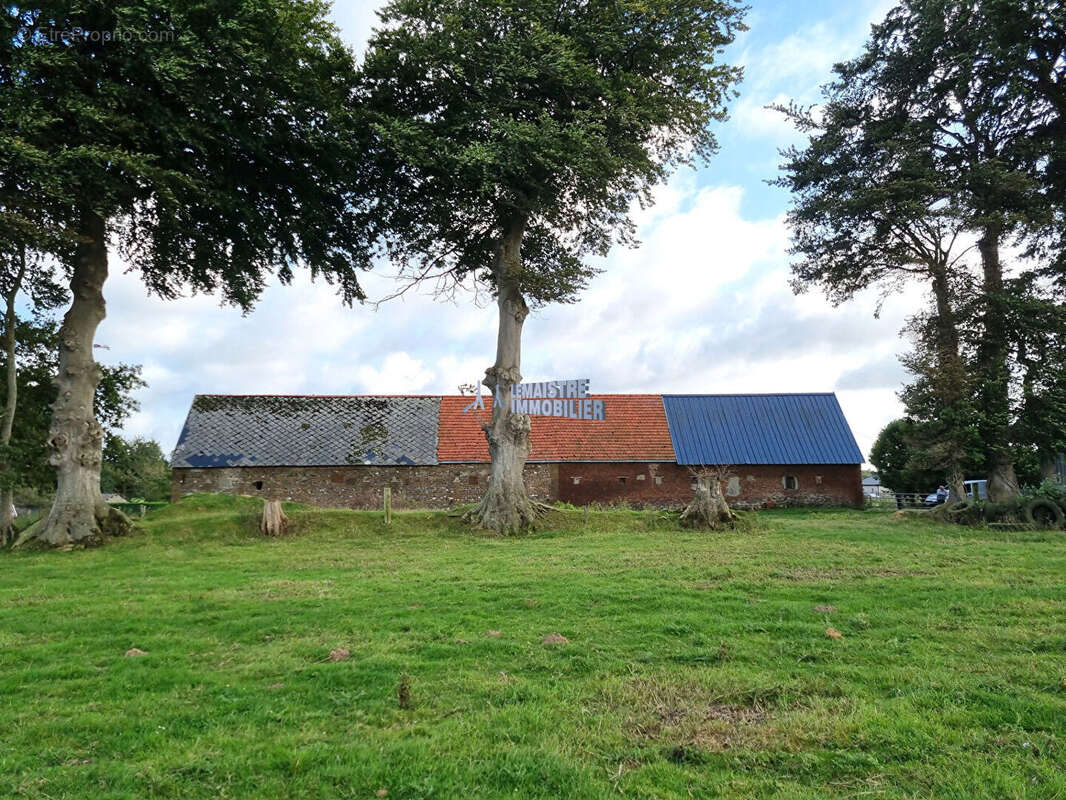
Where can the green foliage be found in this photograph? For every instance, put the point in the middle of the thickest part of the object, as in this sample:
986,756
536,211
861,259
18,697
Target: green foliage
1051,490
135,468
549,116
949,128
699,663
25,463
898,462
215,138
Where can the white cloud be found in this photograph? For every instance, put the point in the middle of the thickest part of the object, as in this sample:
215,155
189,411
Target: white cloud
703,306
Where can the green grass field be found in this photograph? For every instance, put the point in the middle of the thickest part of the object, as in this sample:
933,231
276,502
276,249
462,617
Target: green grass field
698,665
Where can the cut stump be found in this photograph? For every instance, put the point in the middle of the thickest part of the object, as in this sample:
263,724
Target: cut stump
274,521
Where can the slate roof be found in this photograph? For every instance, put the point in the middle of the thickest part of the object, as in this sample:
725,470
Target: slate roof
293,431
634,430
760,429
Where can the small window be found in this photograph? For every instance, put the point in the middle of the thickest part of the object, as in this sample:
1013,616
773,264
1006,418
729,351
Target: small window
622,479
791,482
258,485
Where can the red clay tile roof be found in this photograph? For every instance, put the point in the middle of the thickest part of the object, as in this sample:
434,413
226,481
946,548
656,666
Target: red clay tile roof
635,430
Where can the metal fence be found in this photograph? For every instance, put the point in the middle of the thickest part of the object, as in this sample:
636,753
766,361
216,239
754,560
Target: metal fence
897,500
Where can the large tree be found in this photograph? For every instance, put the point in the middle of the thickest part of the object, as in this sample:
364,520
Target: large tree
509,142
936,65
871,210
939,75
209,143
24,457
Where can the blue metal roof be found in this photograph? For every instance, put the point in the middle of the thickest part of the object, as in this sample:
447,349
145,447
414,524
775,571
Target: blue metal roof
738,429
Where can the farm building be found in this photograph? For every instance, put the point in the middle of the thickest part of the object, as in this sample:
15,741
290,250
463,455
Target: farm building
341,451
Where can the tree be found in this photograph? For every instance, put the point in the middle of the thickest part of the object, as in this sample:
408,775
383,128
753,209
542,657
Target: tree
1041,364
870,208
135,468
21,273
937,66
508,143
894,456
209,143
24,463
938,74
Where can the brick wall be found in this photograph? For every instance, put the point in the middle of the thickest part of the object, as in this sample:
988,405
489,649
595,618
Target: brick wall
671,484
445,485
441,486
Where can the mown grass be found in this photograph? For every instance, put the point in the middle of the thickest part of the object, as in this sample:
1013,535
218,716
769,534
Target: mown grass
697,664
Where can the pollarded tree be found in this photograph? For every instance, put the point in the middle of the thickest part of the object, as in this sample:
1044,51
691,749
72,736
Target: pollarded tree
509,142
209,142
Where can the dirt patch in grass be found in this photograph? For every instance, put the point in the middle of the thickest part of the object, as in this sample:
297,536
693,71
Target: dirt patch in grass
687,719
840,573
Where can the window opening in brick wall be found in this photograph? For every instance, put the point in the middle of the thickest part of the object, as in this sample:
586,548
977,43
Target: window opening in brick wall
791,482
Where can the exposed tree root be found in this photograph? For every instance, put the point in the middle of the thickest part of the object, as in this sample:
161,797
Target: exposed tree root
69,528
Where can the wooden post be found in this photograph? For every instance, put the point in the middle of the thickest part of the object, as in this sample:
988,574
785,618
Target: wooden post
387,496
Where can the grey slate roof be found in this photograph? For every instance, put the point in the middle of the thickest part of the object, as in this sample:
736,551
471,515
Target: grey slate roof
306,431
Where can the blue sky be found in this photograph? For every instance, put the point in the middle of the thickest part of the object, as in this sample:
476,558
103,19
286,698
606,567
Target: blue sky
703,306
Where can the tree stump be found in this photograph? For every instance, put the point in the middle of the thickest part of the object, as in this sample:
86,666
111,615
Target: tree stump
274,520
708,508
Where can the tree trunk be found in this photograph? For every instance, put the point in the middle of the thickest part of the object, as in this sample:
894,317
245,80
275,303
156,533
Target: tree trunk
708,508
273,522
993,357
79,515
1047,466
950,376
7,496
506,507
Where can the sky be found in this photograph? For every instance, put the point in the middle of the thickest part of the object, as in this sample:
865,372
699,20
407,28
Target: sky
703,306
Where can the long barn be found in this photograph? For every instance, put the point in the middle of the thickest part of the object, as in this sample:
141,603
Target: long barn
341,451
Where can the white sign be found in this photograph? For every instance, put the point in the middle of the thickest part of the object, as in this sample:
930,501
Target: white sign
569,399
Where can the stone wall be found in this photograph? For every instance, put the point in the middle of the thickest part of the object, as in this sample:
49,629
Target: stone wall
360,486
446,485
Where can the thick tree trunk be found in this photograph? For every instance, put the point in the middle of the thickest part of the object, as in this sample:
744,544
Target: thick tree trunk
7,496
273,522
506,507
950,376
79,515
708,508
993,356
